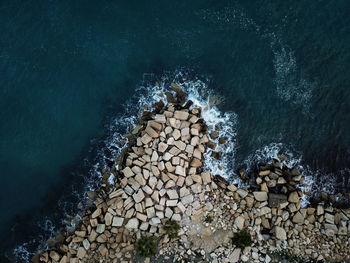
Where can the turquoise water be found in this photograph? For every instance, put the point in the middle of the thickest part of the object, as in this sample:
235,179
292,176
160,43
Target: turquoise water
67,69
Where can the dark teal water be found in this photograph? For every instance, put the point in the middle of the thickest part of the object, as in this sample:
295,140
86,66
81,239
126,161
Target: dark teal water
68,67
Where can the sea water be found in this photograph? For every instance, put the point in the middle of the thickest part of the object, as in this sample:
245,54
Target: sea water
74,76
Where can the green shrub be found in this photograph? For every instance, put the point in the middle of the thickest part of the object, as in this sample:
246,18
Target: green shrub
242,239
146,246
171,228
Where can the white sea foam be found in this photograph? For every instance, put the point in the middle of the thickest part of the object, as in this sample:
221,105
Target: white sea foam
291,83
202,96
291,86
273,151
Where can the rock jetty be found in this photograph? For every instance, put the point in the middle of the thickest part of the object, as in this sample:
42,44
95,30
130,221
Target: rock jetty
161,178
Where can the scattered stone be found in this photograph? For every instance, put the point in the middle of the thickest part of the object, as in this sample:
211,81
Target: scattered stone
260,196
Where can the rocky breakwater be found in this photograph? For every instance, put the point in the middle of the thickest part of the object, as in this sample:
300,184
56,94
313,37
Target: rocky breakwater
160,179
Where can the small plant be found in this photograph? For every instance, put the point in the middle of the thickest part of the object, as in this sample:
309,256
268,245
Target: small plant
242,239
146,246
171,228
208,219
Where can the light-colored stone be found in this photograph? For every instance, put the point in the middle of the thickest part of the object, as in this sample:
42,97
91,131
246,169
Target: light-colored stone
155,156
176,217
234,256
293,197
181,115
180,170
139,196
151,132
196,162
298,218
172,194
280,233
81,253
239,222
242,193
117,221
171,203
133,223
108,219
187,199
162,147
320,210
260,196
145,139
196,188
168,212
181,145
167,156
96,213
160,118
128,172
206,177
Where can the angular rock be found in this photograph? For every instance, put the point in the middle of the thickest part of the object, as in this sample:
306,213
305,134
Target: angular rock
181,145
280,233
139,196
162,147
293,197
128,172
133,223
117,221
239,222
298,218
181,115
145,139
242,193
196,162
260,196
160,118
172,194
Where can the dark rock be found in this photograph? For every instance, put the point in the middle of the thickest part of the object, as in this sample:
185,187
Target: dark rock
92,195
216,155
284,190
176,88
295,172
158,106
276,199
35,258
242,173
188,104
214,135
211,145
324,196
332,199
170,98
221,181
146,116
181,97
222,140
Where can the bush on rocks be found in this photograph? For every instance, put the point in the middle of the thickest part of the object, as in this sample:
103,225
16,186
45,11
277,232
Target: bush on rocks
171,228
146,246
242,239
